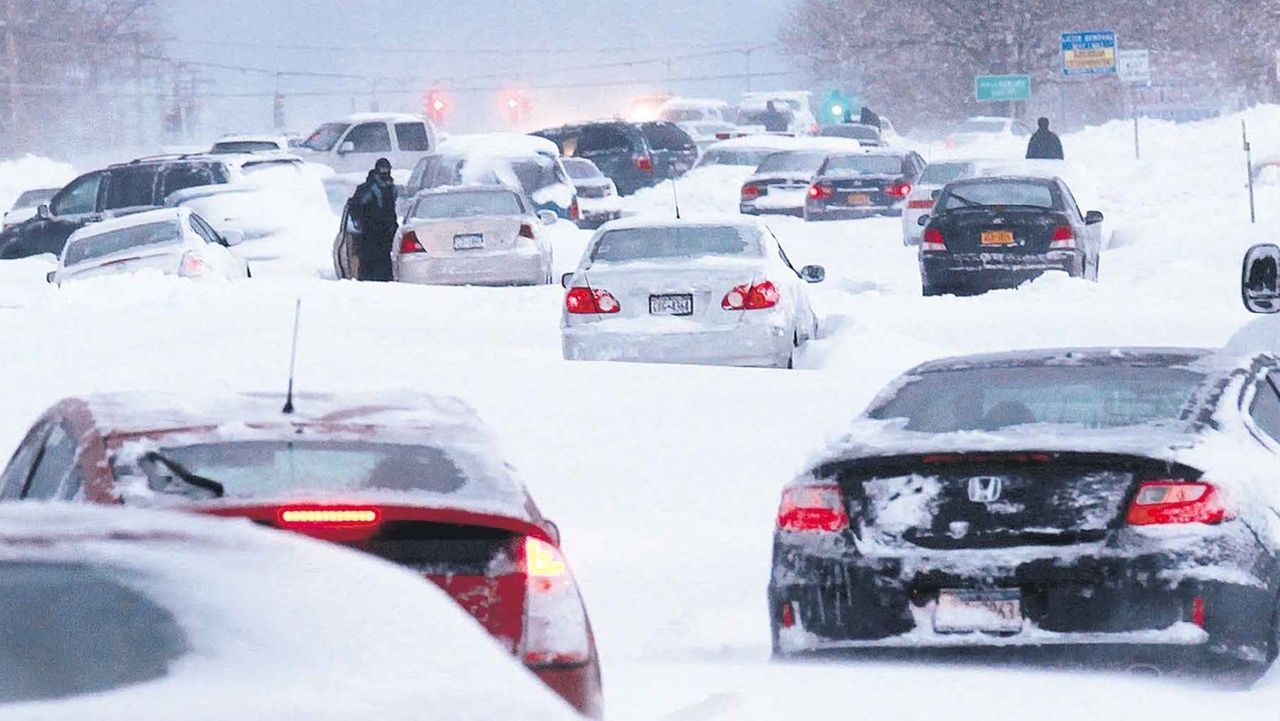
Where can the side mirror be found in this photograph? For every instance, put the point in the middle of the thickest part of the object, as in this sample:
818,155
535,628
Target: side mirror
48,277
1093,217
552,530
44,212
566,280
548,217
1260,280
232,237
813,274
923,221
347,147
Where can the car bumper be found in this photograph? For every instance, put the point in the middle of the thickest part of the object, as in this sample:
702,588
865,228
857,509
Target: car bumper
744,344
825,212
495,269
981,270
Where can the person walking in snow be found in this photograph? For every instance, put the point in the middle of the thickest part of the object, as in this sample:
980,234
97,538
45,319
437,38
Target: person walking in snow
374,207
775,120
1044,144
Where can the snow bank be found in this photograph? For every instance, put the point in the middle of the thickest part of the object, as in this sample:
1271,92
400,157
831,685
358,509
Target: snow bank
28,173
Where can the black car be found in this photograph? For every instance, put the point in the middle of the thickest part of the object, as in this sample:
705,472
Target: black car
868,135
999,232
1117,498
857,185
119,189
623,151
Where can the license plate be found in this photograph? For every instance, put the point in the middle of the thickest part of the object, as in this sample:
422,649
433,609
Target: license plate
859,199
680,304
997,237
470,241
963,611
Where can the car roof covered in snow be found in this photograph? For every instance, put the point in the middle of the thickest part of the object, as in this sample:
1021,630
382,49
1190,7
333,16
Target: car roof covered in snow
383,117
499,145
331,618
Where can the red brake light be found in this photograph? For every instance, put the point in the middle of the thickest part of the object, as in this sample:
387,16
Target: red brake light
526,231
582,301
933,241
329,516
751,297
575,213
926,204
555,622
818,192
1175,502
644,163
409,243
193,266
1063,238
898,190
750,192
813,508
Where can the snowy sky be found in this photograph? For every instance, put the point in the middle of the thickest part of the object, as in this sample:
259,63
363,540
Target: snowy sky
471,35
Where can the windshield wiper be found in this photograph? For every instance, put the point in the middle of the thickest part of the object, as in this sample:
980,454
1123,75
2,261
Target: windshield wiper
970,203
191,479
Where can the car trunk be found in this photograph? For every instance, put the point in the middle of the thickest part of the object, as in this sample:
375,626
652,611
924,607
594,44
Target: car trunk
991,500
862,190
675,290
164,258
999,230
468,236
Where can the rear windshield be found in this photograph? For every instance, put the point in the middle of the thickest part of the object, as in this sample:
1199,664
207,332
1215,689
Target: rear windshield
72,629
988,399
628,244
244,146
581,169
117,241
980,126
793,161
970,195
665,136
467,205
943,173
685,115
749,157
864,165
535,173
324,138
255,469
859,132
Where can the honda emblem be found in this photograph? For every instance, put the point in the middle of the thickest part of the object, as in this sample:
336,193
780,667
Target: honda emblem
985,489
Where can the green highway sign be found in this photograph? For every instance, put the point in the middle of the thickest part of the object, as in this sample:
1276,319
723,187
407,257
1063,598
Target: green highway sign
999,88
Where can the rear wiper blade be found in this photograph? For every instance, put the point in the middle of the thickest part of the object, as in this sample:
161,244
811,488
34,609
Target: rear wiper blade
1021,205
970,203
191,479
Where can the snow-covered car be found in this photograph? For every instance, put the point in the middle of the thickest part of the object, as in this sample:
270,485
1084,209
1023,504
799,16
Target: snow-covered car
354,143
237,144
529,163
984,128
473,235
1114,498
780,184
173,241
702,119
120,614
703,292
746,151
868,135
598,200
855,185
416,480
795,102
265,194
25,207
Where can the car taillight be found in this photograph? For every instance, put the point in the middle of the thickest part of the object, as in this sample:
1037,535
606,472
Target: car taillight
580,301
526,231
933,241
575,212
409,243
750,192
555,621
193,266
329,516
813,508
1173,502
644,163
898,190
751,297
925,204
1063,238
818,192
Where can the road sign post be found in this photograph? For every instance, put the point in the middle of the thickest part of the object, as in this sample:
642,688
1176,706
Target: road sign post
1002,88
1089,53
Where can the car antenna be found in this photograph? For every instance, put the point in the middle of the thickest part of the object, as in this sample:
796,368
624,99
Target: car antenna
675,196
293,358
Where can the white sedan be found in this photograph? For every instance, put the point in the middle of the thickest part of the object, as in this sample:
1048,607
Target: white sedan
703,292
475,235
174,241
118,614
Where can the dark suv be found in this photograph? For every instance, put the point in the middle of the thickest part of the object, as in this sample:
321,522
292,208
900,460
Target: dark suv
632,155
117,190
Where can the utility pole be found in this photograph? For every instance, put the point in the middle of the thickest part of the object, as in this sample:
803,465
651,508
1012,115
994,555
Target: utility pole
748,52
671,85
139,104
11,63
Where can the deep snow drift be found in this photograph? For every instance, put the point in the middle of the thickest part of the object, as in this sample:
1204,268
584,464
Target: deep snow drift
665,480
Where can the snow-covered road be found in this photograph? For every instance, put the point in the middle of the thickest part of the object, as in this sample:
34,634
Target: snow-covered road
665,480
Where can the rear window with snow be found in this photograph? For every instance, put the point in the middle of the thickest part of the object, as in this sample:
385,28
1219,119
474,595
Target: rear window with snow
991,399
117,241
580,169
748,156
244,146
467,205
72,629
793,161
630,244
864,165
666,136
943,173
857,132
971,195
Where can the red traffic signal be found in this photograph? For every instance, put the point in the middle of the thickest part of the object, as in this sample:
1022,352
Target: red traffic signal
436,105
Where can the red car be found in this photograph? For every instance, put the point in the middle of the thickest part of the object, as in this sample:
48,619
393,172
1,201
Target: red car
415,480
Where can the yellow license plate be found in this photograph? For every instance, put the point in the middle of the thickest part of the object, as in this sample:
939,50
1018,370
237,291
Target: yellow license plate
997,237
859,199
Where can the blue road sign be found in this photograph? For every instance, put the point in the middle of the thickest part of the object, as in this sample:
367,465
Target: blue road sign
1089,53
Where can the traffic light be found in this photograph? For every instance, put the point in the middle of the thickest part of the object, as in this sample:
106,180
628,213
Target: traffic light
516,105
836,108
436,106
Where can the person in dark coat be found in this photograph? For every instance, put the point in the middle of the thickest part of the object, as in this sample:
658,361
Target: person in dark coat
869,117
1044,144
374,208
775,120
